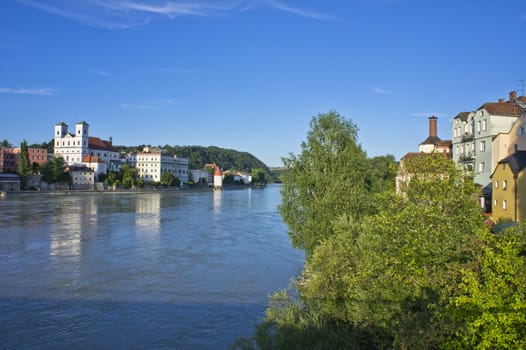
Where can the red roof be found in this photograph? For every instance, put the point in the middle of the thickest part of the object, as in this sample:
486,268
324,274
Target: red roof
92,159
97,143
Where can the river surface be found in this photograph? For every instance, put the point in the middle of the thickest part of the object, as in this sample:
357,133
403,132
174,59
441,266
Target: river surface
161,270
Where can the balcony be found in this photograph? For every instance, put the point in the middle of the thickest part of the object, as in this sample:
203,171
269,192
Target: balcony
466,157
467,137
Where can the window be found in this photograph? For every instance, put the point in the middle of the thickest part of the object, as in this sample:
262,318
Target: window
482,146
515,147
494,202
478,126
521,131
484,125
504,204
481,167
504,184
496,184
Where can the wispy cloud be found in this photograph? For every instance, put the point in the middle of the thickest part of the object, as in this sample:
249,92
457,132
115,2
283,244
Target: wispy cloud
31,91
122,14
303,12
151,104
103,73
136,106
381,91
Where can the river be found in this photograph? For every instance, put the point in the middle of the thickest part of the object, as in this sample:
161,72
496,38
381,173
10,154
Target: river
158,270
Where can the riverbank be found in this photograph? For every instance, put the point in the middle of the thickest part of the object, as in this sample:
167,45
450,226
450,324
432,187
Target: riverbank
128,191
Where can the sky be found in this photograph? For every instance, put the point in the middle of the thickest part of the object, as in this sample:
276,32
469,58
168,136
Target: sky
251,74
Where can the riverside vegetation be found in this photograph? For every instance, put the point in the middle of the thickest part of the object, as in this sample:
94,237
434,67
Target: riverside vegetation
388,271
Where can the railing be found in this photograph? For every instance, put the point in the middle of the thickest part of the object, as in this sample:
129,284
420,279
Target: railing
466,157
467,137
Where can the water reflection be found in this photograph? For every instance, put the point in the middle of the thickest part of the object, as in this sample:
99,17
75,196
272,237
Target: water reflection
173,270
148,214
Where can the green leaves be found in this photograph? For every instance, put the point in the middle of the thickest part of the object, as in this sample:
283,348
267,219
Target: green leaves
329,178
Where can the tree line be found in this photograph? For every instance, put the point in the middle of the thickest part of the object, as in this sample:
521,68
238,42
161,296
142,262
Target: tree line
418,270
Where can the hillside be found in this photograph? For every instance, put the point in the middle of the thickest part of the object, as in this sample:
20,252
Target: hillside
198,156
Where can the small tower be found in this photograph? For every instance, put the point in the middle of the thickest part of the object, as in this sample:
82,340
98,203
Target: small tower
82,135
218,179
61,129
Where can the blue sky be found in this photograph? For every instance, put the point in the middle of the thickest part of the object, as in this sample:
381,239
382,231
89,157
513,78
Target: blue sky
250,74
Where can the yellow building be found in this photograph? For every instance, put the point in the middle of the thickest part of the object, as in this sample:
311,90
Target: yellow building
509,188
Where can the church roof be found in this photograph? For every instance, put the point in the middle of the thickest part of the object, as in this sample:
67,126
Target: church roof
97,143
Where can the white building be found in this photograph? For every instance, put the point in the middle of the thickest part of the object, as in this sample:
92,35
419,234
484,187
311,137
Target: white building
82,177
74,147
181,169
151,166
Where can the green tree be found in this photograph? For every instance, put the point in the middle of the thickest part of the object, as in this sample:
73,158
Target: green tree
128,176
24,165
167,178
386,281
328,179
258,176
5,144
228,179
53,171
383,173
489,311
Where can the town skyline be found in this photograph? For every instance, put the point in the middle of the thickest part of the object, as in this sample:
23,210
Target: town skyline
249,75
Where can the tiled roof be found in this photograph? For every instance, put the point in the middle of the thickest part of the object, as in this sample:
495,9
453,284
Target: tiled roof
463,116
435,140
97,143
502,108
92,159
517,161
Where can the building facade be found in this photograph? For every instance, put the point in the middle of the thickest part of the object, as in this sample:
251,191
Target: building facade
9,157
151,166
474,132
74,147
509,188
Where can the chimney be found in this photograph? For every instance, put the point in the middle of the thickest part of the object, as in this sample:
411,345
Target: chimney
501,100
433,126
513,96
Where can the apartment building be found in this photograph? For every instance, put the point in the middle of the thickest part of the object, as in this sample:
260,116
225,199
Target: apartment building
474,132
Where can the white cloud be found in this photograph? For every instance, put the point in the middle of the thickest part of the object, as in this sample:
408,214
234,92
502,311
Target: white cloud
103,73
301,11
31,91
122,14
381,91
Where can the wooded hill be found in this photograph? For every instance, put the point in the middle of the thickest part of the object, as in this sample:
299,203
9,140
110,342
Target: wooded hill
198,156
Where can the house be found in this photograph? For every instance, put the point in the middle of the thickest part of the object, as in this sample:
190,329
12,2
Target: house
74,147
432,146
473,134
509,188
506,143
82,177
9,157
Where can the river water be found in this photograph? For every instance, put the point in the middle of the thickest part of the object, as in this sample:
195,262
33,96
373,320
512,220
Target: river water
158,270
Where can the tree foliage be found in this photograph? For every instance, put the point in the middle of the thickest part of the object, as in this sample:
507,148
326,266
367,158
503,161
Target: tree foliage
419,271
24,165
328,179
53,171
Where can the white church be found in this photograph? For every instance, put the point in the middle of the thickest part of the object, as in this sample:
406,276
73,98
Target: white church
81,150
